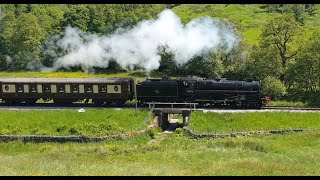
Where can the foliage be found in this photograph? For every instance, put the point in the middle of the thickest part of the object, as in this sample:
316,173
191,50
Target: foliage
38,23
279,34
263,62
209,66
273,39
304,76
167,64
300,11
25,43
273,87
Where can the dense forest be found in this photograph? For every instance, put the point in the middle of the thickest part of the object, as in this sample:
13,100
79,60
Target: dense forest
279,44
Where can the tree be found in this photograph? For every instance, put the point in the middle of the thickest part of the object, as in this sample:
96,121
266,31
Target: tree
281,33
3,52
23,45
274,7
310,9
263,62
303,78
76,16
170,6
167,64
299,12
98,16
208,66
128,15
235,61
273,88
49,17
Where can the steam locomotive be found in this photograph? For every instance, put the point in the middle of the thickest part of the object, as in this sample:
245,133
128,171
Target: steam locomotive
213,92
117,91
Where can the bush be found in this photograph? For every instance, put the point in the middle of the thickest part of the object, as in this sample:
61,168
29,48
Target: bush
273,87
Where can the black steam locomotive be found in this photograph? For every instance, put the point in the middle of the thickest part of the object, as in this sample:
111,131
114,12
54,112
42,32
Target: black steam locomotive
213,92
116,91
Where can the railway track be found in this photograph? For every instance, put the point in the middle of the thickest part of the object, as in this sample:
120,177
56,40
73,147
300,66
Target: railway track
49,106
292,108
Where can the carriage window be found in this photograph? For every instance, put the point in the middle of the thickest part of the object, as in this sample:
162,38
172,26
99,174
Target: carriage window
33,88
75,88
47,88
103,88
61,88
20,88
88,88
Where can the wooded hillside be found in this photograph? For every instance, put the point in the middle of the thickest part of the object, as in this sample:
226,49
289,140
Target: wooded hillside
278,44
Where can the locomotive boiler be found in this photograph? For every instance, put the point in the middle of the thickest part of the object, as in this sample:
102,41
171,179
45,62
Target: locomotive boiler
213,92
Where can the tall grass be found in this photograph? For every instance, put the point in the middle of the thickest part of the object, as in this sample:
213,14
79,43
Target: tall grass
71,122
159,154
288,154
287,103
235,122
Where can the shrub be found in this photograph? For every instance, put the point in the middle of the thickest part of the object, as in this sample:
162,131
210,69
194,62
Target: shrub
273,87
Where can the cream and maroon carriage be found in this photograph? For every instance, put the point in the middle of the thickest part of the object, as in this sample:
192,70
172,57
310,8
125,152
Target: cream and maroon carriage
66,90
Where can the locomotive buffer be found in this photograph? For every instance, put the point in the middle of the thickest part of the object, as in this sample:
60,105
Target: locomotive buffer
162,113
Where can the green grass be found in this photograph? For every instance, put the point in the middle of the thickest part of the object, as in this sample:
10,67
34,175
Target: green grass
247,19
288,154
160,154
237,122
287,103
71,122
29,74
137,75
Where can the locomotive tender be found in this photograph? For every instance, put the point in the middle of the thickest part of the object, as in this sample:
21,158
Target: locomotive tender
116,91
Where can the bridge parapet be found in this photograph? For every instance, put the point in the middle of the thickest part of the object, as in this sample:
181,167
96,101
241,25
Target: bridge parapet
163,113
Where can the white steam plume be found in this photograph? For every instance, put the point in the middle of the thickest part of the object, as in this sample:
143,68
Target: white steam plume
9,60
140,45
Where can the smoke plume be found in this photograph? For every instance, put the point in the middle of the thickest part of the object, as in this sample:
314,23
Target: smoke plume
9,60
140,45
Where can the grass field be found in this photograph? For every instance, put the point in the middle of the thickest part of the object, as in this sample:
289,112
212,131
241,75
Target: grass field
138,76
248,19
289,154
159,154
235,122
71,122
30,74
